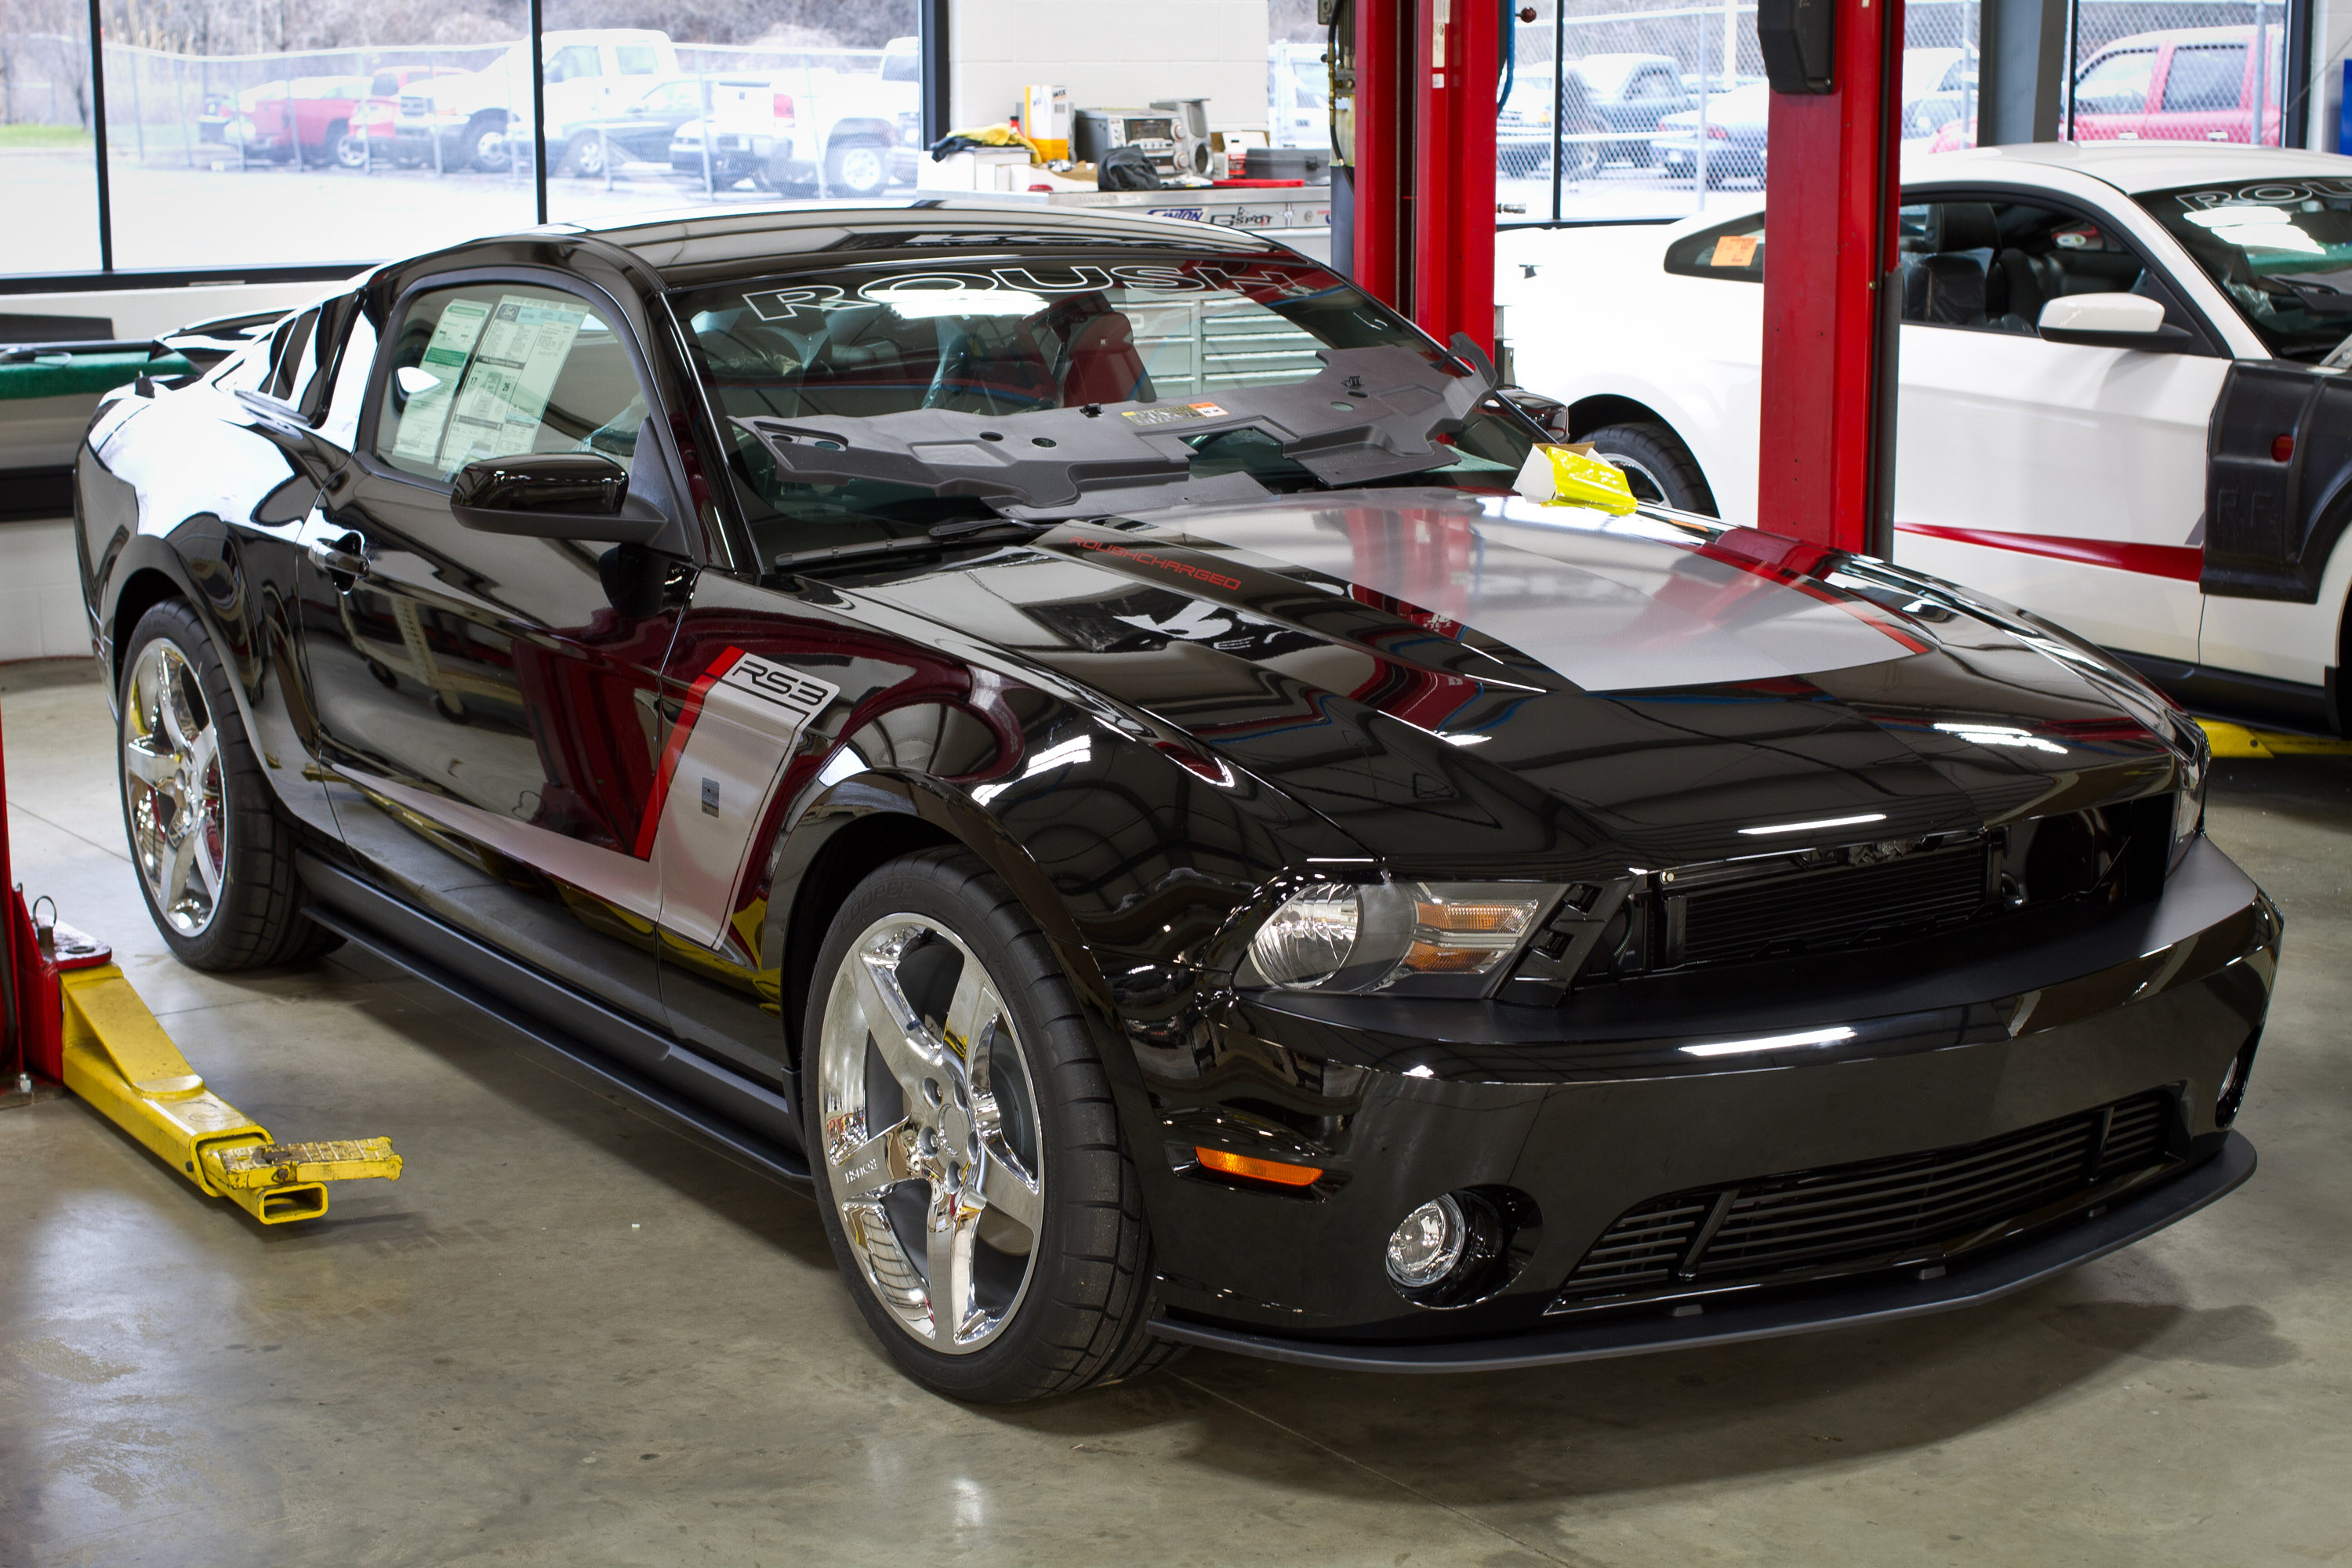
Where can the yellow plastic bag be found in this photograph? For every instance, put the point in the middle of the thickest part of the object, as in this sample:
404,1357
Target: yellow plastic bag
1562,475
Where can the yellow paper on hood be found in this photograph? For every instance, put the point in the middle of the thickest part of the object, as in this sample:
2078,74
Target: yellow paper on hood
1561,475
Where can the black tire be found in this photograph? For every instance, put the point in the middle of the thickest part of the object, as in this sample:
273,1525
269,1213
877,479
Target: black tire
857,167
1657,464
1087,1294
255,918
491,157
347,150
583,157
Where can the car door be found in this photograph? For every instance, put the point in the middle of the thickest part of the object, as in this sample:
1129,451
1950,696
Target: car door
2112,94
2202,95
489,701
643,132
2067,479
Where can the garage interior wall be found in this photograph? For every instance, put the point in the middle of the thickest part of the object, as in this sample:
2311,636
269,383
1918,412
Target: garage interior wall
1109,54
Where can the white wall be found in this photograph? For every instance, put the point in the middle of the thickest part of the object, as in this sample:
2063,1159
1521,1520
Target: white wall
40,599
1110,54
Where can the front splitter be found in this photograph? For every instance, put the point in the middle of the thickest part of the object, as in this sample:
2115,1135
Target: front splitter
1877,1299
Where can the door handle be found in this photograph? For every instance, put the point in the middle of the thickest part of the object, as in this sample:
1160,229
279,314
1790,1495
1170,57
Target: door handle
337,562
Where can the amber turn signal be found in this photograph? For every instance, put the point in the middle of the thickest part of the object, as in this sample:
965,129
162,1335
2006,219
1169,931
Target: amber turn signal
1275,1171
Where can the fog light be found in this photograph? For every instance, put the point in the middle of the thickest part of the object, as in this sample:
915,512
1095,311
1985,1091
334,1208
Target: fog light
1425,1248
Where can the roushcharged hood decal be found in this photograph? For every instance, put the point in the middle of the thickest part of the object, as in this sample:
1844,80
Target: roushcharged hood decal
1608,604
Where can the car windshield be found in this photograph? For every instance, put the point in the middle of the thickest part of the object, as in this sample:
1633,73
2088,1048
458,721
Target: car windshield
2282,249
1072,368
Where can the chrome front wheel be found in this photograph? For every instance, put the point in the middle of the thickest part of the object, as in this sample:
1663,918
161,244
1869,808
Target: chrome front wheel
932,1153
173,786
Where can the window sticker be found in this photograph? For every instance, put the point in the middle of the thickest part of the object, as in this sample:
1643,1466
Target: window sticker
504,397
1174,416
426,414
1733,250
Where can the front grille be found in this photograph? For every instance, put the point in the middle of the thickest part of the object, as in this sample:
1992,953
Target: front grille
1822,911
1847,1219
416,105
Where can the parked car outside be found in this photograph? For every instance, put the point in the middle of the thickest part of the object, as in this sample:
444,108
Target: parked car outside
1523,128
374,132
1070,735
2119,403
1297,95
301,121
847,134
1737,123
1630,93
642,131
2185,84
478,119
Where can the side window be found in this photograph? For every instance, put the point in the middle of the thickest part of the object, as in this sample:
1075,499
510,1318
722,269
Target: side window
386,85
638,60
1733,250
340,423
574,61
2116,83
495,370
2205,78
1993,265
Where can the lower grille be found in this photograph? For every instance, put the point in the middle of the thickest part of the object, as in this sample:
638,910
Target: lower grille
1826,910
1847,1219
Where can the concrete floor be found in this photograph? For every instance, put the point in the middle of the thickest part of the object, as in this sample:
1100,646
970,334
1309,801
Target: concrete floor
571,1335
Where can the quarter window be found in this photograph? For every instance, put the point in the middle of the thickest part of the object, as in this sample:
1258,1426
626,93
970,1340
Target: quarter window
495,370
1733,250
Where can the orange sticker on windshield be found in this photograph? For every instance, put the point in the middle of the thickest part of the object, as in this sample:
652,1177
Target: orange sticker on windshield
1733,250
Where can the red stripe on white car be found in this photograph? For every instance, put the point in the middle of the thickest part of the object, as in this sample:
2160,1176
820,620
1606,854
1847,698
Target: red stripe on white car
2182,563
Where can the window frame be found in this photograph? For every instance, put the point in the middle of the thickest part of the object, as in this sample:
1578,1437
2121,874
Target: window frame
363,440
2206,340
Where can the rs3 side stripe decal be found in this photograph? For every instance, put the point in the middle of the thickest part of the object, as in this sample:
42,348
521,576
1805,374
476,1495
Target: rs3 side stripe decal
2181,563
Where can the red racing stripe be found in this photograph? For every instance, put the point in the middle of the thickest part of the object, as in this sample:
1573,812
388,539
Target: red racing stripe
2181,563
675,747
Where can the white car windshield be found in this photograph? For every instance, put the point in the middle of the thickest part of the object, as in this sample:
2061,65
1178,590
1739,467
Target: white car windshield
2282,249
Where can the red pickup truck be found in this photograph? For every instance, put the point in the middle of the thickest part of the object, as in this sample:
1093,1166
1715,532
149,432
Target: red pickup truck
2184,84
325,119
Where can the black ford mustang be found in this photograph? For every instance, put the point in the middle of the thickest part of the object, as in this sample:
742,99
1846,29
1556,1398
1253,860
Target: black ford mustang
1068,731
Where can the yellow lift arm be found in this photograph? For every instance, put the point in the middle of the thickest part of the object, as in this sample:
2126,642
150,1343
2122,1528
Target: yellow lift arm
117,1058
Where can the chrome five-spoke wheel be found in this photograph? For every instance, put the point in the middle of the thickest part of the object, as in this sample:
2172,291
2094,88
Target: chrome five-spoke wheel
172,782
932,1151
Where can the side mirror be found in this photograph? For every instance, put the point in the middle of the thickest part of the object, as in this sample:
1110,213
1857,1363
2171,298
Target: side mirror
2109,321
550,495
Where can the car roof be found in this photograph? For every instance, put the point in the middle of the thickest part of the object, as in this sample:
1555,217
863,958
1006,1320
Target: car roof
2232,35
2134,166
701,246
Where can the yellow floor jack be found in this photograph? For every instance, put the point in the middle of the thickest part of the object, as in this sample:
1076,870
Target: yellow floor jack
72,1020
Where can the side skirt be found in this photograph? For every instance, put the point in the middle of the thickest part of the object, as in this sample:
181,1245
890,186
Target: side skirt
2227,694
754,1124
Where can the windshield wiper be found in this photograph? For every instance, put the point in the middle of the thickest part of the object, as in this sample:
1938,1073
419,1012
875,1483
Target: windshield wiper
972,531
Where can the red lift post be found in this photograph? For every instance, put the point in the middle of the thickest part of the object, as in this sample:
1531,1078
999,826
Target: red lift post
1423,226
1831,304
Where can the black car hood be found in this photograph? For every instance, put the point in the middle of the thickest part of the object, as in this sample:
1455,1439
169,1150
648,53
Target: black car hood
1473,684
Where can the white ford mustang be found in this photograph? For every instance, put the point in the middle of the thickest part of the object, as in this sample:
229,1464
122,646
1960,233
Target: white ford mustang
2121,404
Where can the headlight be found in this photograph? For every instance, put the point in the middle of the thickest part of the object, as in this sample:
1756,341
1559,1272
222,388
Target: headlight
1428,938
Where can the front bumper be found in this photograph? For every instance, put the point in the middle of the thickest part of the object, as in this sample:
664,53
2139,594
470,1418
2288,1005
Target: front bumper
1880,1298
1399,1101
